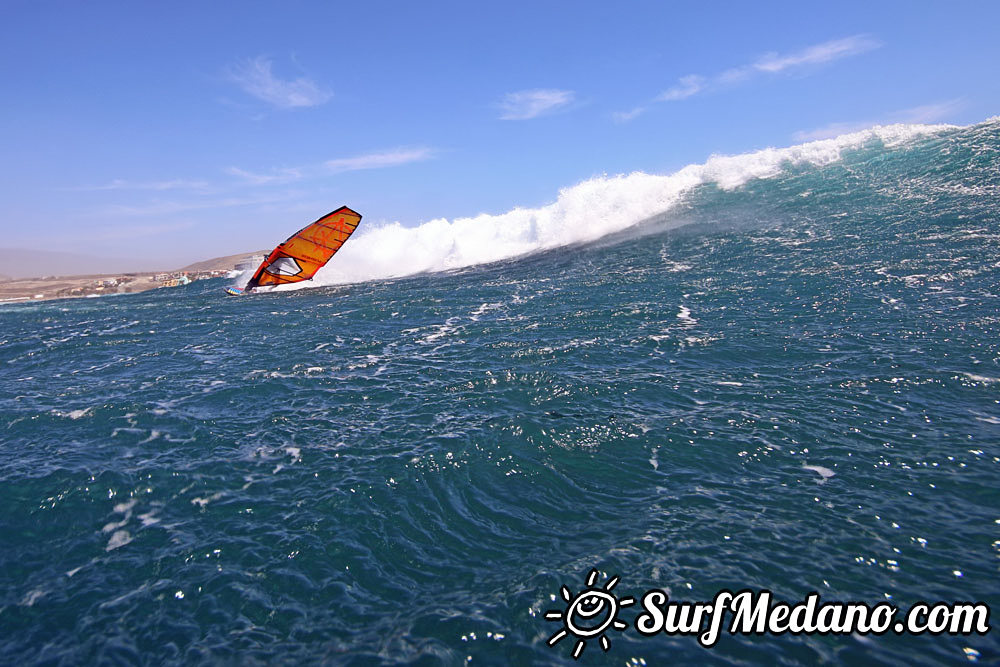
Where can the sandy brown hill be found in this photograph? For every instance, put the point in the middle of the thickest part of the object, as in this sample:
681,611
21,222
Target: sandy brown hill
93,284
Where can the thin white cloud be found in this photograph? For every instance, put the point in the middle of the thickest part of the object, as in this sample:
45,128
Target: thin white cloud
686,87
528,104
104,232
815,55
138,231
373,160
256,78
932,113
275,176
626,116
379,159
254,187
818,54
768,64
161,207
831,130
121,184
919,115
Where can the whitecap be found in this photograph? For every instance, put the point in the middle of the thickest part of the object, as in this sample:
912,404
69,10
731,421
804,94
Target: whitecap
685,316
74,414
985,379
32,597
824,472
581,213
119,539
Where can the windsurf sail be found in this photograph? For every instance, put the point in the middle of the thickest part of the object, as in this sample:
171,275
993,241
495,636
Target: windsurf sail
307,250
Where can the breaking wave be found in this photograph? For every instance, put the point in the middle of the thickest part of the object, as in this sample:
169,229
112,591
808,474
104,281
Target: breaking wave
581,213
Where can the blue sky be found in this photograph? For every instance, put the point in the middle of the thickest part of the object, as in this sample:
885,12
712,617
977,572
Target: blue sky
173,132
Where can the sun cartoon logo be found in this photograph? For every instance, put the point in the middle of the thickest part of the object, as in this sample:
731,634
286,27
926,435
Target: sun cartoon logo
587,615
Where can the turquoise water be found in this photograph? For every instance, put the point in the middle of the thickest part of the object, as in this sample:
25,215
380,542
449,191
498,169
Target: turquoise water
792,384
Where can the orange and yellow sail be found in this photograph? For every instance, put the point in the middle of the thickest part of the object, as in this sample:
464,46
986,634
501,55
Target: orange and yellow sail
307,250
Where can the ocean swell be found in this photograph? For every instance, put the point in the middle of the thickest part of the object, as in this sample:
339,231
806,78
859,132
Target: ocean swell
581,213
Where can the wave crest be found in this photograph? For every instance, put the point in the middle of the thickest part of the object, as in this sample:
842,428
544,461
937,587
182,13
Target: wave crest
581,213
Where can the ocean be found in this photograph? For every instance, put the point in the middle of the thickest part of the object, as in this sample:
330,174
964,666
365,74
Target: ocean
776,371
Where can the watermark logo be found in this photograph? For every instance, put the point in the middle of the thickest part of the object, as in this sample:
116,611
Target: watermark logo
592,612
589,614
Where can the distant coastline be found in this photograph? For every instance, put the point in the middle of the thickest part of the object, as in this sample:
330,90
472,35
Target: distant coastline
91,285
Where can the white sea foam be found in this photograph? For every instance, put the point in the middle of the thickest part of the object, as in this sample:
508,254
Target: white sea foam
202,502
685,316
483,309
118,539
583,212
32,597
75,414
440,331
824,472
119,536
984,379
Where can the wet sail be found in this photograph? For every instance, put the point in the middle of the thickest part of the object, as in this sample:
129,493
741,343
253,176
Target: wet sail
307,250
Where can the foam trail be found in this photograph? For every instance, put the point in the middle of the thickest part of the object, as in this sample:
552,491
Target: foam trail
581,213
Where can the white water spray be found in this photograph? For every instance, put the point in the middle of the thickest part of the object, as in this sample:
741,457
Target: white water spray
583,212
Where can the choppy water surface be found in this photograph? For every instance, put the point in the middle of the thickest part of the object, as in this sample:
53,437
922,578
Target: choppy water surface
796,390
